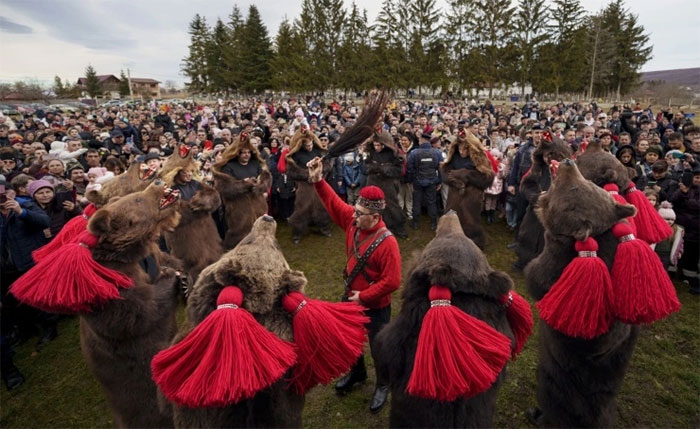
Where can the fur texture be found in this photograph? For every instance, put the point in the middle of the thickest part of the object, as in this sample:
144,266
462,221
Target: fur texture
308,208
384,170
602,167
196,241
258,267
467,187
132,180
577,379
453,260
120,339
531,233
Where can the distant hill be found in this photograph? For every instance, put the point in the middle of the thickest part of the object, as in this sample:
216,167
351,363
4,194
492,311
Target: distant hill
686,77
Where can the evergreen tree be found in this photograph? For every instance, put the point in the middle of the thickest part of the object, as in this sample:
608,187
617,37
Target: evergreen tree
58,88
352,65
424,23
233,51
123,85
194,65
531,23
218,71
496,36
630,45
92,84
462,30
564,60
290,65
255,61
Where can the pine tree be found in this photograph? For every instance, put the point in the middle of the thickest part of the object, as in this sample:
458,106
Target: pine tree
218,71
496,35
58,88
531,23
564,60
255,62
194,65
631,50
92,84
123,84
290,65
462,29
600,56
232,52
424,23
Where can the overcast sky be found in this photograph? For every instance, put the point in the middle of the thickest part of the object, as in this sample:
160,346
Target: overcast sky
41,39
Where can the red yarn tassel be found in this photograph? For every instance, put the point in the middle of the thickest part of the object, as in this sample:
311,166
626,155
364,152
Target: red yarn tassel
329,338
519,316
651,227
578,304
458,355
70,281
227,358
68,233
614,191
643,291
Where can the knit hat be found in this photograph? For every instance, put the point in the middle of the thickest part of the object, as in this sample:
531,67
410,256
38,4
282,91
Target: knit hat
34,186
655,149
372,198
73,164
675,153
666,211
496,153
97,171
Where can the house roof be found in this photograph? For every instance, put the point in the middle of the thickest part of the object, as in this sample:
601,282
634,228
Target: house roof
143,80
102,78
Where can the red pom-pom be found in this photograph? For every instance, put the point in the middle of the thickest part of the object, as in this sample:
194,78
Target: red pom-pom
519,316
651,227
372,193
643,291
578,304
225,359
70,281
68,233
458,355
614,192
329,338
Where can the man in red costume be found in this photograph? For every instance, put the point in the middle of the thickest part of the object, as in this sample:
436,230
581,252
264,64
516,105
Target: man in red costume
373,270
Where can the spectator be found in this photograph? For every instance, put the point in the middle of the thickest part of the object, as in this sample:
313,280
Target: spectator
423,170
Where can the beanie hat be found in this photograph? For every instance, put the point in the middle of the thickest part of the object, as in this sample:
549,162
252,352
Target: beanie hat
372,198
299,113
655,149
7,155
34,186
73,164
659,166
97,171
675,153
496,153
666,211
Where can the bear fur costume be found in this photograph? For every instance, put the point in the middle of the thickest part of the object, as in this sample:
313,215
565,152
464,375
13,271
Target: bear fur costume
308,208
244,200
195,241
453,260
134,179
467,179
530,237
601,167
384,170
120,339
577,379
257,266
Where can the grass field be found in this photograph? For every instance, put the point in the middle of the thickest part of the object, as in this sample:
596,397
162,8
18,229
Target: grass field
661,388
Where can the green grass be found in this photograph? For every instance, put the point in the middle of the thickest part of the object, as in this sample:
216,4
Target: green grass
661,388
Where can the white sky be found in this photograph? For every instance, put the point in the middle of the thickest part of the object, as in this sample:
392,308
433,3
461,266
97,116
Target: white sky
40,39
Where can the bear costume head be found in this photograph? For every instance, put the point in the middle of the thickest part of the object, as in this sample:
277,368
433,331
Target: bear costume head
182,159
233,364
601,167
475,150
134,179
242,141
302,135
456,305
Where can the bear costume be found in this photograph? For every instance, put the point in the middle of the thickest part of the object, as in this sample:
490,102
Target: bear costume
243,188
530,237
477,292
308,209
195,241
116,279
468,177
136,178
269,304
578,378
384,168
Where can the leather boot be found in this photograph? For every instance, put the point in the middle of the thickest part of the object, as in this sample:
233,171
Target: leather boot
357,374
381,393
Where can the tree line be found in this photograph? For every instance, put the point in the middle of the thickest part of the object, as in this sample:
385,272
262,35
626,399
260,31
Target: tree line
556,46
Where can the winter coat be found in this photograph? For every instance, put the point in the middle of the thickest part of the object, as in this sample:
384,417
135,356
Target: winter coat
497,185
687,208
22,234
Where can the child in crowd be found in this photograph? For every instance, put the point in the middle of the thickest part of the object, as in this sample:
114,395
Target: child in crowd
653,197
671,249
511,212
493,192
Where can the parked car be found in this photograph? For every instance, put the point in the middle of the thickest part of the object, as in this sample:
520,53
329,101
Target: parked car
64,108
9,109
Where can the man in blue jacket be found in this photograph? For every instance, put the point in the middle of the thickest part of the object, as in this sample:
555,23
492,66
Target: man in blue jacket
423,170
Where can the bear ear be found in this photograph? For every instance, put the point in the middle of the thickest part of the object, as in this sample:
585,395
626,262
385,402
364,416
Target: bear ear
229,272
500,283
99,222
293,281
623,211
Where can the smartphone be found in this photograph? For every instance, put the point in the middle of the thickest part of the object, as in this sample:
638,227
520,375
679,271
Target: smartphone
3,196
65,196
